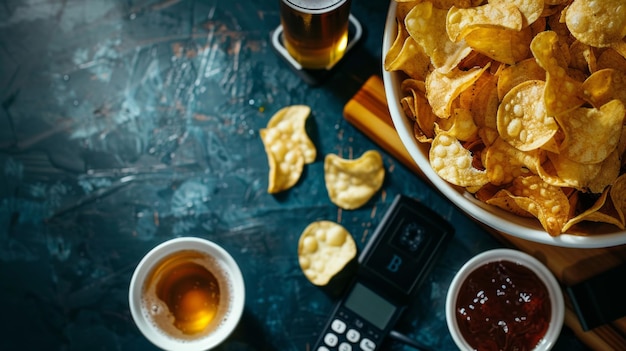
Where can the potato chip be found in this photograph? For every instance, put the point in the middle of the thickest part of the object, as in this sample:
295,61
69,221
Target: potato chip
601,211
546,202
461,21
291,122
520,72
427,26
531,10
442,89
562,92
407,56
597,23
453,162
592,134
605,85
324,249
522,118
352,183
285,164
504,163
503,45
610,58
563,172
287,146
461,125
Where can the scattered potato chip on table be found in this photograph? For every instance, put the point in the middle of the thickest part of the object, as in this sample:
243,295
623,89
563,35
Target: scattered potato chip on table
324,249
287,146
352,183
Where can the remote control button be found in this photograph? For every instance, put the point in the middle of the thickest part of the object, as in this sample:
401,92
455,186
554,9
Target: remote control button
338,326
353,336
367,345
344,346
331,339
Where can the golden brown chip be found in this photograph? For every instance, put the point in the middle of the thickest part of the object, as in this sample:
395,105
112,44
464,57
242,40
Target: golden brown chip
352,183
546,202
290,121
601,211
522,118
503,45
618,196
605,85
285,164
597,23
442,88
503,15
427,26
453,162
505,163
407,56
324,249
531,10
522,71
592,134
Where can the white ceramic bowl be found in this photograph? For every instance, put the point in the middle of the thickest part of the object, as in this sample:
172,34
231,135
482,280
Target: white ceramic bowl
554,290
525,228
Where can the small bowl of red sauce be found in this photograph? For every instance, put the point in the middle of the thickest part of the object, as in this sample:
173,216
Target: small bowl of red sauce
504,299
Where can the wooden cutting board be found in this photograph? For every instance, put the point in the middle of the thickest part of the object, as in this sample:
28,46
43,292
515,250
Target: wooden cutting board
369,113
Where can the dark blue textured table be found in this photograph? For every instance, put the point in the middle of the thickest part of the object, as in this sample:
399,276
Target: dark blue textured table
127,123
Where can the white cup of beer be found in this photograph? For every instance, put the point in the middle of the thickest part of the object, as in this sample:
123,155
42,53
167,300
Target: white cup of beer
187,294
315,32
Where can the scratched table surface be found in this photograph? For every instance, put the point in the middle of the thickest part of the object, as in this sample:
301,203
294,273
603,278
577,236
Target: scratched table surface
127,123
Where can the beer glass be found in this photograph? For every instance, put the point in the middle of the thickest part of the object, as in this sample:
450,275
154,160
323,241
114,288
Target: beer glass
187,294
315,32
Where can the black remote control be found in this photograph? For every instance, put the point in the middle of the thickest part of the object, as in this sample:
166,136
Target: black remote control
392,266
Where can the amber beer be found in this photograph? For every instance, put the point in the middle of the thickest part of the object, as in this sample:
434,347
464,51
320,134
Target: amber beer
187,294
315,32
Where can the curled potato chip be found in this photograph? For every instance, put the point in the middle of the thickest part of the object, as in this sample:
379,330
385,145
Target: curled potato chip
442,88
592,134
597,23
522,71
531,10
546,202
453,162
461,21
352,183
291,121
605,85
522,118
601,211
406,55
504,163
503,45
287,146
285,164
427,25
324,249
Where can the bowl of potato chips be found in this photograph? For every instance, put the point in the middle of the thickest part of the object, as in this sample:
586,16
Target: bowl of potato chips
515,111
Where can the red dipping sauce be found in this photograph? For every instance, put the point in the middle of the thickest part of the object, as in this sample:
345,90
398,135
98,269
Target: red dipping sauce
503,305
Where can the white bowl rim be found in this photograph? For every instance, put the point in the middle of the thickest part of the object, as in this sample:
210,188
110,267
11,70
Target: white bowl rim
500,220
516,256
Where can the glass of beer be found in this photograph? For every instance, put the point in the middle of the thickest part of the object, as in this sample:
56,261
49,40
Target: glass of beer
315,32
187,294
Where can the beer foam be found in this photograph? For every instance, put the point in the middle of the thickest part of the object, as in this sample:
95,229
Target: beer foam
162,320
